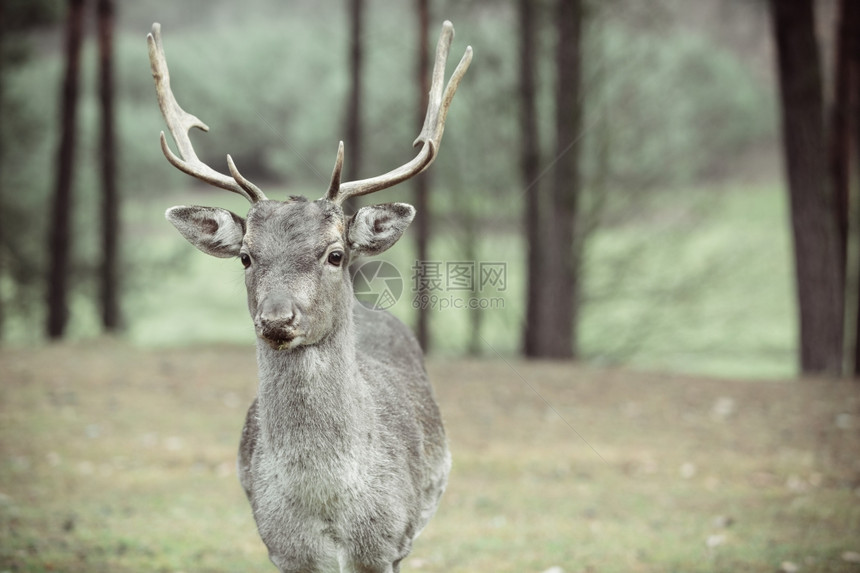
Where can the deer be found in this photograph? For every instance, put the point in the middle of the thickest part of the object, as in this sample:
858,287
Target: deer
343,455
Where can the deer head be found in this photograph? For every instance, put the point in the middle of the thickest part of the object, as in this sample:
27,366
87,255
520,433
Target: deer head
296,252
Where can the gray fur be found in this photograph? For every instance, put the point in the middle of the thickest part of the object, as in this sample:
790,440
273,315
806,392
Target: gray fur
343,455
216,232
373,229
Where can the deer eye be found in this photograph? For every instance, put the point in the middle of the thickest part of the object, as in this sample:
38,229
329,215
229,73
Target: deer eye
246,260
335,258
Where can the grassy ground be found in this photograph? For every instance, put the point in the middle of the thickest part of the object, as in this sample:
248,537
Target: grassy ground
120,459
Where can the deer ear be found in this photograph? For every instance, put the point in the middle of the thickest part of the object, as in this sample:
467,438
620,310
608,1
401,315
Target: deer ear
216,232
374,228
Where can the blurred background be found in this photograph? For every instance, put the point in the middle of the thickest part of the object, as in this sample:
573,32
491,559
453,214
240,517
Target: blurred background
611,177
656,198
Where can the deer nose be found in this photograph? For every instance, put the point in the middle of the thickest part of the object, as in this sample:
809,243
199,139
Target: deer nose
277,317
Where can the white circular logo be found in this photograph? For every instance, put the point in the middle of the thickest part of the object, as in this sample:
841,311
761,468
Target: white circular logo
377,285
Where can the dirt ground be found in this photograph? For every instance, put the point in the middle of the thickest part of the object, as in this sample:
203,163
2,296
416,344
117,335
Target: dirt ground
121,459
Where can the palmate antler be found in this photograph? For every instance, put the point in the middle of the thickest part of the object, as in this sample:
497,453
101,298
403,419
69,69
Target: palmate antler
431,133
179,122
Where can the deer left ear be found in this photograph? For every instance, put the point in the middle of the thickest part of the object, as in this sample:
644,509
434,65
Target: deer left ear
373,229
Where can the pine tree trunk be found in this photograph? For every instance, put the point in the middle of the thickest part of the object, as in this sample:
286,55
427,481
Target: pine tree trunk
2,151
529,167
422,182
814,216
840,123
354,104
111,316
558,304
849,34
59,241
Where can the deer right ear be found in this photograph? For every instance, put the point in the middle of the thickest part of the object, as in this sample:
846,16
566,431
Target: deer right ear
216,232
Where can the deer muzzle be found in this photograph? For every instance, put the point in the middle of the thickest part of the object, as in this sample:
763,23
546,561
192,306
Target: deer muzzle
277,322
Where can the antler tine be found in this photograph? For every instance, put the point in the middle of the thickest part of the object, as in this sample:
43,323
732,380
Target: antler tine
430,137
334,187
439,102
179,123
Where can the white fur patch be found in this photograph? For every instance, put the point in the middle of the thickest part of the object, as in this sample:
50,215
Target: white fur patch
229,234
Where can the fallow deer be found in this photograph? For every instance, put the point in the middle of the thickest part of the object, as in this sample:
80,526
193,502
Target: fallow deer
343,456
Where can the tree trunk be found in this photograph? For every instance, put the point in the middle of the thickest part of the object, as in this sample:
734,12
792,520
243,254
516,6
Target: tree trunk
2,153
814,216
354,106
557,310
529,165
840,123
842,143
111,316
422,182
59,241
849,54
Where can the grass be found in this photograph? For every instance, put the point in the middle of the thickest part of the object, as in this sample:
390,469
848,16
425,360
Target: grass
700,286
121,459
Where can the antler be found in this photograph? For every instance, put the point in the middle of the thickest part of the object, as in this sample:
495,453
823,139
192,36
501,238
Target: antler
179,122
431,133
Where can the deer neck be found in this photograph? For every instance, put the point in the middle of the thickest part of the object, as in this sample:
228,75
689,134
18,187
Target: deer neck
313,402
